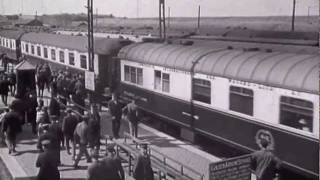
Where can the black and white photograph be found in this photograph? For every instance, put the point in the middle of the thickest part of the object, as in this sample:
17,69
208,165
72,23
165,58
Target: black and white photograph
159,89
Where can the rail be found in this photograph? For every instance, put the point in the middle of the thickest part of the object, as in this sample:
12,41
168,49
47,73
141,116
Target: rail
167,161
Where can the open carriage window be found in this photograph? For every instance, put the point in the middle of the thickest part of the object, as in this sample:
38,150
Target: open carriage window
296,113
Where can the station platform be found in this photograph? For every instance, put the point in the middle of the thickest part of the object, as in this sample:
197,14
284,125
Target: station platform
22,164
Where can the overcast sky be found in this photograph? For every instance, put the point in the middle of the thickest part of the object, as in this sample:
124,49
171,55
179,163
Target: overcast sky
149,8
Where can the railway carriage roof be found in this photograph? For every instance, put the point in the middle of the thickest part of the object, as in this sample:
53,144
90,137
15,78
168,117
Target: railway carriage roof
286,70
12,34
103,46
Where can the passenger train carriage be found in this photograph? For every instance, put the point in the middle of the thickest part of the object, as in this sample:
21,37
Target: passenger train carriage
236,96
72,52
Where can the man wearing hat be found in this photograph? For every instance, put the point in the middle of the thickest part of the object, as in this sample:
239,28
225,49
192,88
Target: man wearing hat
143,169
11,127
264,163
48,163
112,165
81,137
115,110
132,114
69,124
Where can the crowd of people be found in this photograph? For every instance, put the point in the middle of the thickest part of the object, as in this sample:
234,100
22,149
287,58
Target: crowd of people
59,127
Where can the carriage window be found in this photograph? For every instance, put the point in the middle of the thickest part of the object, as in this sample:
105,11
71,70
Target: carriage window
53,54
157,80
133,75
9,44
27,48
45,52
38,51
161,81
241,100
202,90
71,59
61,56
83,61
32,49
126,73
12,45
165,82
296,113
139,78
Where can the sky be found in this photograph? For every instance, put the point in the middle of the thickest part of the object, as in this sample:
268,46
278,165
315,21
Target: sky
149,8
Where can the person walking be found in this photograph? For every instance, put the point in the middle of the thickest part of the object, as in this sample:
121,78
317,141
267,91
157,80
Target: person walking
115,110
54,107
47,163
81,137
11,127
143,169
132,114
94,129
264,163
32,112
4,89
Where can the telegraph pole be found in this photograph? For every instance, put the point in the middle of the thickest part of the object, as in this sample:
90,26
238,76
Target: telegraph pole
199,16
162,20
168,17
90,34
293,14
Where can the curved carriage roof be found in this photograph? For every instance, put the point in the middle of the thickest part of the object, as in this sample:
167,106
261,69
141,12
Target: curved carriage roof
11,34
286,70
103,46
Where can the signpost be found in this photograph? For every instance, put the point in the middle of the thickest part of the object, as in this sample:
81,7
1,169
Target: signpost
237,168
89,80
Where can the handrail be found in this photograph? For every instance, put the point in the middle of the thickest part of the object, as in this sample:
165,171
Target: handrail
166,158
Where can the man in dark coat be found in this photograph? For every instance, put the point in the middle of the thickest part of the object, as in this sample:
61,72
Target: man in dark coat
32,112
264,163
94,129
143,169
112,165
96,170
115,110
54,107
131,111
19,106
4,89
11,127
54,145
47,163
69,124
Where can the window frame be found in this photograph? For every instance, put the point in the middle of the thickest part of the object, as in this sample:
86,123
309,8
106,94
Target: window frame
39,51
160,87
32,50
242,93
61,54
201,85
45,52
26,48
311,127
53,54
138,75
83,58
71,58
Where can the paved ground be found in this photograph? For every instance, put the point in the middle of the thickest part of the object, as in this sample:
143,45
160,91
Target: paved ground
22,164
